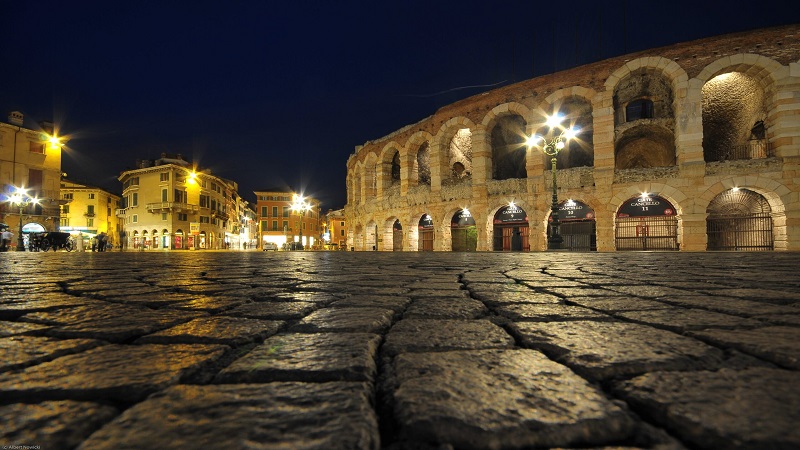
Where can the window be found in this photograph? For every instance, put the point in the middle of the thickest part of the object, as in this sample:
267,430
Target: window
64,222
274,211
134,199
90,210
135,218
342,223
68,196
165,176
639,109
65,209
264,225
163,216
182,217
205,201
341,232
285,211
164,195
205,219
285,224
274,225
264,210
37,147
180,196
91,196
90,222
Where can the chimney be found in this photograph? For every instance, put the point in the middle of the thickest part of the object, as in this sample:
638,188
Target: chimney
15,118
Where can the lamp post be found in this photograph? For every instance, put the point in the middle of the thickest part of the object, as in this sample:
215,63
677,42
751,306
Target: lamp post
551,149
22,200
300,206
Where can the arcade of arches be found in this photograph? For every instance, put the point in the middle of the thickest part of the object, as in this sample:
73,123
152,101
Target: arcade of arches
675,150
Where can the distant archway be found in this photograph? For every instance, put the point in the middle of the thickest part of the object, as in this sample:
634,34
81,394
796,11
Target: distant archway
463,232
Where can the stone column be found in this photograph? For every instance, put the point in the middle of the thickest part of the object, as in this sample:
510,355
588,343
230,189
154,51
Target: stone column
481,163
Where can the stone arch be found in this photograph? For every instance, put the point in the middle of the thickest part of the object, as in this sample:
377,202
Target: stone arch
453,145
419,169
370,175
493,207
576,105
387,235
670,69
388,174
738,93
506,131
645,146
773,191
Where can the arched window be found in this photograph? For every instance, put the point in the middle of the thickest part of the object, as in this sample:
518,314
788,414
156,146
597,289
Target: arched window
639,109
396,168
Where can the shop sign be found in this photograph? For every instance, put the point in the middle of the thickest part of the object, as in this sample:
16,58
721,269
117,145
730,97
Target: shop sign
462,218
573,210
194,227
511,214
646,207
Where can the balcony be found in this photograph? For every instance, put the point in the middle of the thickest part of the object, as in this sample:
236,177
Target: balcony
121,212
171,207
88,214
753,149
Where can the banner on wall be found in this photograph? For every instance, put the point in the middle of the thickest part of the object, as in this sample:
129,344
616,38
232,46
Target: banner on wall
573,210
462,218
511,214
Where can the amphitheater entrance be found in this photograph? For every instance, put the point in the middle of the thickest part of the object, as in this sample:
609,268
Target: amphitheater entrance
425,242
464,232
739,220
397,236
577,226
646,222
511,230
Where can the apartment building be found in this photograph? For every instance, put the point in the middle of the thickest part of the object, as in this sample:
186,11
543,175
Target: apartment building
30,172
88,210
336,229
285,216
168,204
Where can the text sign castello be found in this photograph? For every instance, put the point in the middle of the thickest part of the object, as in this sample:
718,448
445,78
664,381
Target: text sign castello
646,206
573,210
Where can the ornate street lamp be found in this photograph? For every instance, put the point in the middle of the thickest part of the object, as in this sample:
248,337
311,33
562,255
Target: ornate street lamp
22,200
551,149
300,206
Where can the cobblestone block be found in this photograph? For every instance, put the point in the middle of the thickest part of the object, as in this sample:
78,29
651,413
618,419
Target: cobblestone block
22,351
306,357
681,319
321,298
602,350
650,291
113,323
215,330
730,305
51,425
116,372
755,408
437,285
21,329
273,310
395,303
616,304
458,398
311,416
154,299
443,293
761,295
446,308
547,312
492,295
780,345
570,292
366,320
210,304
13,308
780,319
437,335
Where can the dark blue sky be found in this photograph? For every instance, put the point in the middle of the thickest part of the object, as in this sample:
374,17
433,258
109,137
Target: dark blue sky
268,93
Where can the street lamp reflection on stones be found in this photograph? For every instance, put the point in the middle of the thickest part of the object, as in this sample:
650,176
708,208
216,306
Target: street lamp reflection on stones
551,148
21,199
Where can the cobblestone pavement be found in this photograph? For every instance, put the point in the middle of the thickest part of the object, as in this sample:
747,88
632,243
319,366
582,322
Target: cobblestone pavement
399,350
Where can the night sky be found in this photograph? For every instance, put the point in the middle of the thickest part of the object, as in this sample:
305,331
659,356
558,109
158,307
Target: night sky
271,94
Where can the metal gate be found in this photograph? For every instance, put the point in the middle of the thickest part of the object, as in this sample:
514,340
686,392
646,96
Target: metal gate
752,232
647,233
397,240
578,235
465,239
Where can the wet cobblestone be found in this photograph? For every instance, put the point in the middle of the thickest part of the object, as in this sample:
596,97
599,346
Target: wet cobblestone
399,351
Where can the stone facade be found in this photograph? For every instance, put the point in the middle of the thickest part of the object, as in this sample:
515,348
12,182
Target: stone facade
687,122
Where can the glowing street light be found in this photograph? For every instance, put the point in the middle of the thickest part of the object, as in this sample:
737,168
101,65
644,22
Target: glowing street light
300,206
551,148
21,199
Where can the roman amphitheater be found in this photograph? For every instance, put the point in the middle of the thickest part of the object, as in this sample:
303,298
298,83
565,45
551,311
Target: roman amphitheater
691,147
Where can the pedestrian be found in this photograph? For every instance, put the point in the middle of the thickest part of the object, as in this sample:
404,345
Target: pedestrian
94,244
5,240
102,239
123,241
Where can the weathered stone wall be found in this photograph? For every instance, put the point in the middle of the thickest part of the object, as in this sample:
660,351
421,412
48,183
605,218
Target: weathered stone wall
666,152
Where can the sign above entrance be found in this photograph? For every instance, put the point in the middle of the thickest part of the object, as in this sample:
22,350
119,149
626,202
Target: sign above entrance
462,218
194,227
573,210
511,214
426,221
646,206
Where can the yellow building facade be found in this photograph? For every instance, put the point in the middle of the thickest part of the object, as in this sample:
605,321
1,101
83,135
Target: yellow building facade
280,222
31,161
87,211
168,205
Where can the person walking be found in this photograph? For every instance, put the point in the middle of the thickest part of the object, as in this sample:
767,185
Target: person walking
5,240
102,239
